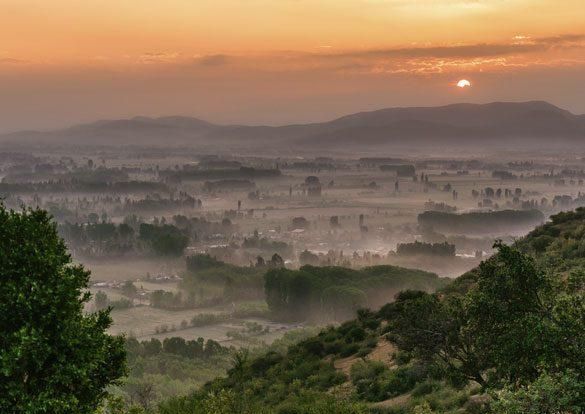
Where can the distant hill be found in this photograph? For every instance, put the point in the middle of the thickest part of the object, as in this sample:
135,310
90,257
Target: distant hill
466,124
498,123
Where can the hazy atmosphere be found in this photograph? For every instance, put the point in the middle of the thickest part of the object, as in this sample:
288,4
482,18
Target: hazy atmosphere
275,62
292,207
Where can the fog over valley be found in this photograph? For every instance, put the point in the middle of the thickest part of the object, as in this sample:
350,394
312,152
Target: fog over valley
292,207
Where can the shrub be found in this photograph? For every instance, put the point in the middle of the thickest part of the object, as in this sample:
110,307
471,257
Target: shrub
402,357
366,370
356,334
349,349
425,388
332,348
362,352
204,319
313,346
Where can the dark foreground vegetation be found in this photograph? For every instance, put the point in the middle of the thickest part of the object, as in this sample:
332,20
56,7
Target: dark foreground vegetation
506,337
53,357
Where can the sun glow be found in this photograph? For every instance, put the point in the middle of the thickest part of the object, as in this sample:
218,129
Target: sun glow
463,83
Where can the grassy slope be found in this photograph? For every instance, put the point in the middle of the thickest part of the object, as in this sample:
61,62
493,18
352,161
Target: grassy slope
340,362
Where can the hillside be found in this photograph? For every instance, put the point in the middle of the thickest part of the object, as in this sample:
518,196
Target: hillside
512,124
506,337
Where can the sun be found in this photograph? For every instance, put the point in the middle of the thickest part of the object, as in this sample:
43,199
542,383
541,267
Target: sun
463,83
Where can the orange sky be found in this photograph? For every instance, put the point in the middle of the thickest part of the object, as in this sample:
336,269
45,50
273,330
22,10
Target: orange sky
280,61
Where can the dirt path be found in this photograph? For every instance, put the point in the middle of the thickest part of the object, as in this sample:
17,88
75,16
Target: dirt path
382,352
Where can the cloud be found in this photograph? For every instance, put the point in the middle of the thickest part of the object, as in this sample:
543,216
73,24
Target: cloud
158,57
462,51
521,45
563,39
213,60
519,52
13,61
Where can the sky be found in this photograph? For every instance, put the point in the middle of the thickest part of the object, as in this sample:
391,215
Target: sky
64,62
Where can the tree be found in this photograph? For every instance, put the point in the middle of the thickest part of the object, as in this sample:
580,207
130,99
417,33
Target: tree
276,286
175,345
101,300
260,262
53,357
141,393
515,323
276,261
561,393
343,301
308,258
129,289
435,330
125,231
509,312
288,293
165,240
152,347
202,262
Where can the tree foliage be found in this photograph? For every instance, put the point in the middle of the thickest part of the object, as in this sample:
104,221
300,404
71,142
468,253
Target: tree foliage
515,323
337,292
53,357
165,240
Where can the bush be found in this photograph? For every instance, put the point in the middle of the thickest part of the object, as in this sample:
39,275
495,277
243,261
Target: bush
313,346
356,334
204,319
446,398
397,382
562,393
349,349
122,303
326,379
363,370
202,262
539,244
319,403
402,357
425,388
367,378
333,348
362,352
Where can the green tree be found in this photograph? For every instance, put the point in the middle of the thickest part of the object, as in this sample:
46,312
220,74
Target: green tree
165,240
436,330
510,314
288,293
561,393
53,357
516,322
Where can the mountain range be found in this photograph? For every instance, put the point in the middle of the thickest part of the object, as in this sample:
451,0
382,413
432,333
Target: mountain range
497,124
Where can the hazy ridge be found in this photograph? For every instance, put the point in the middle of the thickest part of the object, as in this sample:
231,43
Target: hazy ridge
457,124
